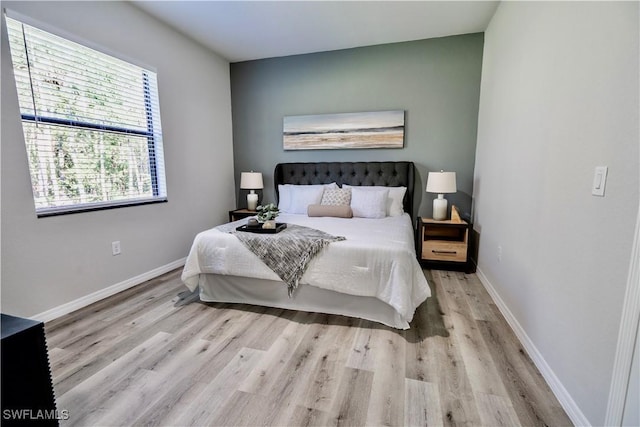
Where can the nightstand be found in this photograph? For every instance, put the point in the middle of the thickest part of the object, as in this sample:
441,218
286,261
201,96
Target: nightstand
443,245
237,214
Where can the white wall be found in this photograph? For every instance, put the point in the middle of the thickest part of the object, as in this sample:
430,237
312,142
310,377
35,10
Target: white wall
559,96
51,261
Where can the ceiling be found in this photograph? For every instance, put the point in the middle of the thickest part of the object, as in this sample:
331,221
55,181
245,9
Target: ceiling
248,30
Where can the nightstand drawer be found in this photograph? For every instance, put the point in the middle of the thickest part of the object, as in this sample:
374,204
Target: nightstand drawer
237,214
437,250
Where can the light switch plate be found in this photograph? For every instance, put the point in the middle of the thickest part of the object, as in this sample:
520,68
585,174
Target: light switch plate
599,181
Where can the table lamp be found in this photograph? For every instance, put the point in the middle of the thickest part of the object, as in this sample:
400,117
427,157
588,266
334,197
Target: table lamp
251,181
440,183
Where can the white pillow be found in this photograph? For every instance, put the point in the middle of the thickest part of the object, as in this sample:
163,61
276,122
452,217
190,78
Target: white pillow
395,205
369,203
284,193
303,196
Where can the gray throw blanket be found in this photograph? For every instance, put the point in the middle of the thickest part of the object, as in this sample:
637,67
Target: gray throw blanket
288,252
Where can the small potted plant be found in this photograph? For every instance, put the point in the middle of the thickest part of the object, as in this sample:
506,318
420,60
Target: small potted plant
267,215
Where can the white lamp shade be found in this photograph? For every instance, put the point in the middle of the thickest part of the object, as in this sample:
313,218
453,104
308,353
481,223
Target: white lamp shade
251,181
441,182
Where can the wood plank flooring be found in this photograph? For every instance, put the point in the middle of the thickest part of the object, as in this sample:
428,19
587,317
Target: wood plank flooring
156,355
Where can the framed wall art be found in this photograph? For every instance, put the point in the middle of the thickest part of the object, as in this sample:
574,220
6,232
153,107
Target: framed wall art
378,129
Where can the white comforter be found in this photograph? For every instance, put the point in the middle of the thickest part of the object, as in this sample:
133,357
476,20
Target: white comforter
377,259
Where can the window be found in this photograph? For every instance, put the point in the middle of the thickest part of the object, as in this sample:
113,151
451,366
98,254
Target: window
91,124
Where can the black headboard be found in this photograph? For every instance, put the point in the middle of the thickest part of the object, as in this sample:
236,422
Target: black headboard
389,174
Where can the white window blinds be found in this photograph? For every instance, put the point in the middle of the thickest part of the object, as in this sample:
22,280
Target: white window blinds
91,124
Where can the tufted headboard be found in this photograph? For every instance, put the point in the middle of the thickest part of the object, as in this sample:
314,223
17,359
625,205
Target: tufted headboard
389,174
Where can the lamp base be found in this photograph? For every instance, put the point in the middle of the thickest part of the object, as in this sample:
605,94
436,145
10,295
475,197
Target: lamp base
440,208
252,201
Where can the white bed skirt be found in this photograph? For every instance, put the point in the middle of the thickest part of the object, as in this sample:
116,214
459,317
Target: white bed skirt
271,293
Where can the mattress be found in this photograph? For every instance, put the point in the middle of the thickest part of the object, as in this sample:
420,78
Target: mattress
377,260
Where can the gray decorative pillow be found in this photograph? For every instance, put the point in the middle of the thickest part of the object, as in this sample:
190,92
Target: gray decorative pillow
336,197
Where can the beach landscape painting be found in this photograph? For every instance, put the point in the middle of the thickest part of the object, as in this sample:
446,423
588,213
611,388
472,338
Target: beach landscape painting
378,129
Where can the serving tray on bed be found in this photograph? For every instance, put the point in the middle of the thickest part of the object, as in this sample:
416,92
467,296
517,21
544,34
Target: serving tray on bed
279,227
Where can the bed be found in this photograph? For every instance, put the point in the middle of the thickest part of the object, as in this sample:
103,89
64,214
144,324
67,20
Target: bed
372,274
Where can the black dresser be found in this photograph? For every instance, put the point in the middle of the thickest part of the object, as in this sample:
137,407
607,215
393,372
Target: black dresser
27,390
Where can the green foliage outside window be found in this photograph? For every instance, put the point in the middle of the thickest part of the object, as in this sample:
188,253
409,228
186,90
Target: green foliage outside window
91,122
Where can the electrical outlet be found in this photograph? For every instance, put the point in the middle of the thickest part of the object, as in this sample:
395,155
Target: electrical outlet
115,247
499,253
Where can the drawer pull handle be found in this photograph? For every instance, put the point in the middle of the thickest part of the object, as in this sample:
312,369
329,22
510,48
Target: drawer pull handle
443,252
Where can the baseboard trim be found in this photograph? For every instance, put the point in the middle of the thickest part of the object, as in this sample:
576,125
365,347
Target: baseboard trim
561,393
61,310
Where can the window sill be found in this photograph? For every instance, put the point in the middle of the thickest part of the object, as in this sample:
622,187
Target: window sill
97,207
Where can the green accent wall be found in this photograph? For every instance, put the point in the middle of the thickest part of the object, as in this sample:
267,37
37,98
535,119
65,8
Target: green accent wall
436,82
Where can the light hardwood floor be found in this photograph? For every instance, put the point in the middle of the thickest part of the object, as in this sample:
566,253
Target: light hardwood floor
155,355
